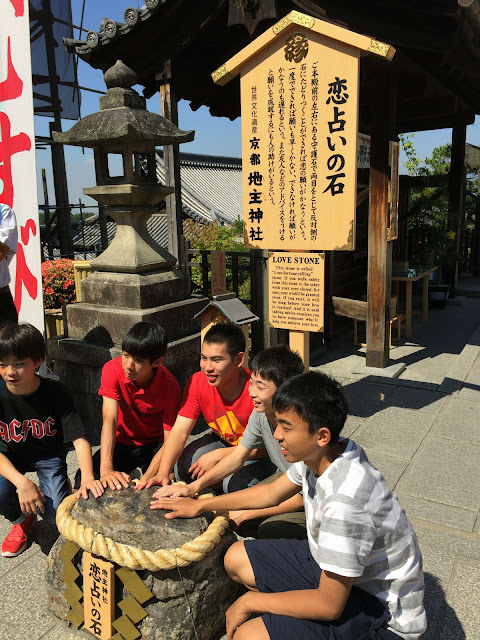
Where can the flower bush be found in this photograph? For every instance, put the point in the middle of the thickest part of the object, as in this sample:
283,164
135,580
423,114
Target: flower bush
58,283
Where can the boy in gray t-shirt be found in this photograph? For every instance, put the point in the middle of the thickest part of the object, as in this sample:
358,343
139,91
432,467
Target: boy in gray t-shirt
359,574
269,369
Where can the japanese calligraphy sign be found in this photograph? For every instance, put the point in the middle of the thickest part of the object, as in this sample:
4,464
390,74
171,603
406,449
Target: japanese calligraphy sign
299,95
296,285
98,596
18,183
394,154
219,279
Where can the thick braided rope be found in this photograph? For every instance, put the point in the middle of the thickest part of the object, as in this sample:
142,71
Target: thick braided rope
133,557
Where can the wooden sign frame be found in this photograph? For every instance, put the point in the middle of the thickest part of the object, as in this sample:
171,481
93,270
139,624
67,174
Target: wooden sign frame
98,596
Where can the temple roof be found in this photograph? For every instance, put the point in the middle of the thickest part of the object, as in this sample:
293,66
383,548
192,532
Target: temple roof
436,68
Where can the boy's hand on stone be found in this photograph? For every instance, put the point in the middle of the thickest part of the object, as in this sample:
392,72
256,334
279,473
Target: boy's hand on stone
236,614
177,507
155,481
115,479
30,497
176,491
205,463
95,486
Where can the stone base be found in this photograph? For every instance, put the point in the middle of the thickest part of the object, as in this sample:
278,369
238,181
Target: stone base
79,365
201,591
135,290
108,325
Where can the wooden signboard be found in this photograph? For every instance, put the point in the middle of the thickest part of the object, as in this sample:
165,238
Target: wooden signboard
98,596
299,95
394,154
219,271
296,285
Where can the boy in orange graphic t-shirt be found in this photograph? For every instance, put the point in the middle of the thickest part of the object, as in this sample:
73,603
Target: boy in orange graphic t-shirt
220,392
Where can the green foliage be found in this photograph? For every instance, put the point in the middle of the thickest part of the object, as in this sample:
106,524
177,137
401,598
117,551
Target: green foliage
215,237
412,164
435,243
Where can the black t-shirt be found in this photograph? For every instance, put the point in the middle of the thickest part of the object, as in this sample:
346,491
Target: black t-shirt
38,424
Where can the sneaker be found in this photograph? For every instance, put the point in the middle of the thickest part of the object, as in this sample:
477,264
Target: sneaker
16,541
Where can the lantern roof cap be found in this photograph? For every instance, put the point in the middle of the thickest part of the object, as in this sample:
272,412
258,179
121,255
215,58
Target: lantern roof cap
122,118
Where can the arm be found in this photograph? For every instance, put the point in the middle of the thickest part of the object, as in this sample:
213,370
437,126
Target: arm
258,497
108,476
29,495
4,251
166,458
327,602
229,464
88,482
288,506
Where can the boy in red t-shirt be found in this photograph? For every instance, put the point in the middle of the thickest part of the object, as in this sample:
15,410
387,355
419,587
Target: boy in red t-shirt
140,404
220,392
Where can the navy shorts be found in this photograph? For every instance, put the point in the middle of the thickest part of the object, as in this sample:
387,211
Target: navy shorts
288,565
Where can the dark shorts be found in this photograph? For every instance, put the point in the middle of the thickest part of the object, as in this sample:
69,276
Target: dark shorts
287,565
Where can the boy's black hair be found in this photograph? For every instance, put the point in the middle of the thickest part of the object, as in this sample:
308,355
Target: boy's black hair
317,399
22,341
228,334
277,364
145,340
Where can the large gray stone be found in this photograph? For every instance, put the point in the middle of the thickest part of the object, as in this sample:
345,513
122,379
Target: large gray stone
204,587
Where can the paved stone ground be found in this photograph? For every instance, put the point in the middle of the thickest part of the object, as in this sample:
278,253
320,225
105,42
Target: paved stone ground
421,430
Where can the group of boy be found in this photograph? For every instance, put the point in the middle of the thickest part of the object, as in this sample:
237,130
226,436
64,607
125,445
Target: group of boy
274,448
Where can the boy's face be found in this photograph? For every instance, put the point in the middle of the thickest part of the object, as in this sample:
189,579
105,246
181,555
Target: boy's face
19,374
261,392
218,366
140,371
295,440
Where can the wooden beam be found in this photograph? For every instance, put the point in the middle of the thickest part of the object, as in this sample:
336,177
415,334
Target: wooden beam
377,294
171,159
456,191
356,309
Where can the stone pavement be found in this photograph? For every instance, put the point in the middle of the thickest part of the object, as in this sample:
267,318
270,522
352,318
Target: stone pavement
422,430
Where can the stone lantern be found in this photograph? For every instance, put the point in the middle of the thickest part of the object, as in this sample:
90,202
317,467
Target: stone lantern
134,279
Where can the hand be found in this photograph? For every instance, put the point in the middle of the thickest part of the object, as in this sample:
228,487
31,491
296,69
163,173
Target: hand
176,491
236,614
236,518
205,463
95,486
159,480
178,507
30,497
114,479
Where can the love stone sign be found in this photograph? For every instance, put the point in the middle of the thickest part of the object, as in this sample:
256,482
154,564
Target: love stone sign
299,93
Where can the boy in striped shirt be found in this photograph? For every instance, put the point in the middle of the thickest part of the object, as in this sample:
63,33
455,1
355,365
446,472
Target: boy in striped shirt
360,570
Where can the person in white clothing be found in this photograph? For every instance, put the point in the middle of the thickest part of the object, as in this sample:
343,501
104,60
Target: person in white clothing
8,248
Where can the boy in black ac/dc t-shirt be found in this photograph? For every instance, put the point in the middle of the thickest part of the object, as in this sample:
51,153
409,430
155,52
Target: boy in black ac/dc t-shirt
37,419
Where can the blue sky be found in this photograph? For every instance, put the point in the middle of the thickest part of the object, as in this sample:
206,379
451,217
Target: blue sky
213,136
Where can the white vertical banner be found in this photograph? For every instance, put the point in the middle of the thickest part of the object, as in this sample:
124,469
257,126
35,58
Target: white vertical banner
18,181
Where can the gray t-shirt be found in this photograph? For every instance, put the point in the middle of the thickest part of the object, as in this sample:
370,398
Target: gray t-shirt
258,434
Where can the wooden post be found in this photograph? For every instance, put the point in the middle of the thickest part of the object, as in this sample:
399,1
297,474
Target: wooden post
171,159
377,294
456,190
300,341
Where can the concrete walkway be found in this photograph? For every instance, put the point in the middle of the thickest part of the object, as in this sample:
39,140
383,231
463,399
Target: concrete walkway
422,430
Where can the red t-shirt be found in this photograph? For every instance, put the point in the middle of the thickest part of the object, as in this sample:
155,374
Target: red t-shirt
143,414
227,419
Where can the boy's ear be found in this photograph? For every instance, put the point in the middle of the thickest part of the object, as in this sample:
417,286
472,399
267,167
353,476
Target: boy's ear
156,362
38,363
324,436
240,358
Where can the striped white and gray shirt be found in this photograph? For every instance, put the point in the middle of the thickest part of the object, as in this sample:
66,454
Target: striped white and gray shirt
357,528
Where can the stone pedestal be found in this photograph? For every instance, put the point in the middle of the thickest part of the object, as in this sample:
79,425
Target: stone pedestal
203,587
